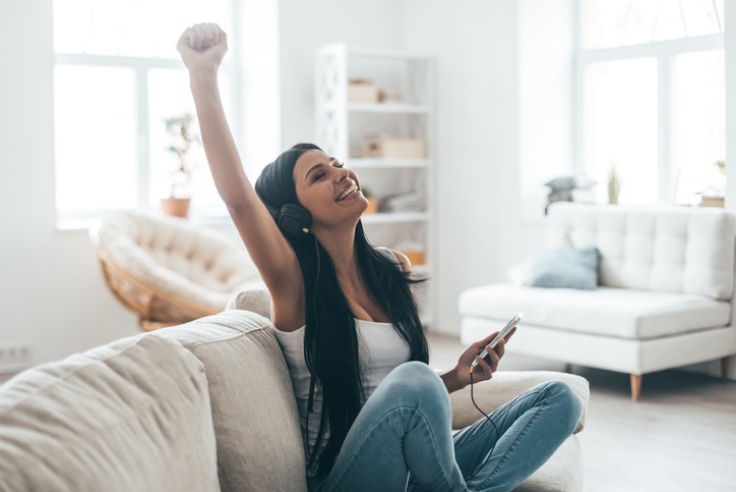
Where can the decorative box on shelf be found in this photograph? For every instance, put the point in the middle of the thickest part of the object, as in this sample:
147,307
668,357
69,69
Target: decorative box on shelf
395,148
362,91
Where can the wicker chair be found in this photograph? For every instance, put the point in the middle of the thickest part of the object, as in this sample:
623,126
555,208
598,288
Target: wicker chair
170,271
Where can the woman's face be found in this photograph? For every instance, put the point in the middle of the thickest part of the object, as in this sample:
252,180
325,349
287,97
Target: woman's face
329,191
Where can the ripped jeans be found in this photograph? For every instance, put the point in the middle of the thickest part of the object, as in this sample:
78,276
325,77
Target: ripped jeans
402,438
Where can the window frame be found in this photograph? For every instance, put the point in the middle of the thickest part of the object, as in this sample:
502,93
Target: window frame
664,52
232,66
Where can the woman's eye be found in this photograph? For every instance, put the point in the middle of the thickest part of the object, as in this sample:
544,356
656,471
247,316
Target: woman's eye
342,164
318,176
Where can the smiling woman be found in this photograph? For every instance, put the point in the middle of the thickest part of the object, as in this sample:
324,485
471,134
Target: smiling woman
336,299
326,185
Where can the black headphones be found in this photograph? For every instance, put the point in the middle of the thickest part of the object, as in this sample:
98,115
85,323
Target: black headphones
292,219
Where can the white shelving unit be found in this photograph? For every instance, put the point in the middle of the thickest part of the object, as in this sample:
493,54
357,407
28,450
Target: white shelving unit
341,126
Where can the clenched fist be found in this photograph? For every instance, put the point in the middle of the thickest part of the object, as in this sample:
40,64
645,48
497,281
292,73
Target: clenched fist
202,46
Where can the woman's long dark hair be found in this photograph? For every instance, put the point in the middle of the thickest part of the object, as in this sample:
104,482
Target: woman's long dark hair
330,339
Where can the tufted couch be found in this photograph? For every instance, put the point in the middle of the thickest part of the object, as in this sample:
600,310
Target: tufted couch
170,271
204,406
665,297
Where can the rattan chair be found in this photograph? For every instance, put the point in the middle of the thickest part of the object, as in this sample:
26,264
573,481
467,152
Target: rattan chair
169,271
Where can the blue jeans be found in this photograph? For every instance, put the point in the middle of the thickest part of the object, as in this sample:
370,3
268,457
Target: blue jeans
402,438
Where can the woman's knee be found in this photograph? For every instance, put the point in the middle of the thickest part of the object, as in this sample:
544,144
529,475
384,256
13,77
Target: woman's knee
565,397
417,378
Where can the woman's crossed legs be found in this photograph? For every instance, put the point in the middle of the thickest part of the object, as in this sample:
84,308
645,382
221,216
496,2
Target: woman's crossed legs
403,436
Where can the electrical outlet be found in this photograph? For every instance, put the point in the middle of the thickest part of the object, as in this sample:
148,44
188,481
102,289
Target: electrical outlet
14,355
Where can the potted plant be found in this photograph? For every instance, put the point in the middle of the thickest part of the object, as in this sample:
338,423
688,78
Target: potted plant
614,185
180,129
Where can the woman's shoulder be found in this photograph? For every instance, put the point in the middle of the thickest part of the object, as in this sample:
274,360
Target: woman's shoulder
398,258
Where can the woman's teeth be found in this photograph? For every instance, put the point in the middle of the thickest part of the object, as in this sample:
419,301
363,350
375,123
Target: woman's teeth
347,192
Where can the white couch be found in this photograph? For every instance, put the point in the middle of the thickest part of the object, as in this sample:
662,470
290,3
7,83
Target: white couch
205,406
665,298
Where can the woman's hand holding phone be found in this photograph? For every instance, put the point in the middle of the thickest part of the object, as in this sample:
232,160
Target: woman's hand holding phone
486,366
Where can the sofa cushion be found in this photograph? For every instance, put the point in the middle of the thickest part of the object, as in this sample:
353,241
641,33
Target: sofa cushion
562,472
672,249
259,440
625,313
131,415
503,387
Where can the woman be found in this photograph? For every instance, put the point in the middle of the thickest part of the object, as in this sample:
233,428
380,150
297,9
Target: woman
347,323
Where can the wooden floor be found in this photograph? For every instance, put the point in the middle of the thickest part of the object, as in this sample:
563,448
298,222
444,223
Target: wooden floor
680,435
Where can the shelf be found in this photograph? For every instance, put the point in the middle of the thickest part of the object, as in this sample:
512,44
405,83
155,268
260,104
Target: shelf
377,53
364,163
395,217
387,108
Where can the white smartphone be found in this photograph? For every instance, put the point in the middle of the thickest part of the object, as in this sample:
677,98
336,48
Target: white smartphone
506,329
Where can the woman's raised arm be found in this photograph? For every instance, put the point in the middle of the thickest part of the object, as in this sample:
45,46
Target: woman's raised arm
202,48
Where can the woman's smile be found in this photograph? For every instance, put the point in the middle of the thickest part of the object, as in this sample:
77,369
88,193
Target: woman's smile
348,192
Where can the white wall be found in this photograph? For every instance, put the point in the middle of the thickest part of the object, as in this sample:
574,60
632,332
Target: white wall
476,44
546,77
730,45
51,290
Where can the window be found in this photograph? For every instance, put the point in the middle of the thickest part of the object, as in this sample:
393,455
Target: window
621,126
651,104
117,75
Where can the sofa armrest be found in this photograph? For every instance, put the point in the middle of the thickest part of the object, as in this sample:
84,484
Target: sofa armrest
504,387
257,300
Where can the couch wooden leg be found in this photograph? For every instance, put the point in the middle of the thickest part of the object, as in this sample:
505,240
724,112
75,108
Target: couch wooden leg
635,386
724,367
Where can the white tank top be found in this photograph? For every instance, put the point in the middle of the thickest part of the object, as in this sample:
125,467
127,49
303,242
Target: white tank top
381,350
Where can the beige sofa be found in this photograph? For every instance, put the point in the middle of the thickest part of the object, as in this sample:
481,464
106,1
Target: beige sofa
204,406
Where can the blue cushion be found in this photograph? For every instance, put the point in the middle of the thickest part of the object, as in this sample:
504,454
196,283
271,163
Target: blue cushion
566,268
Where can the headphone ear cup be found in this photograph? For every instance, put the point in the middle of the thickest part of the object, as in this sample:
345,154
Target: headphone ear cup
293,219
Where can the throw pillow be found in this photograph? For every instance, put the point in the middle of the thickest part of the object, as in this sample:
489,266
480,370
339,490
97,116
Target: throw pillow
566,268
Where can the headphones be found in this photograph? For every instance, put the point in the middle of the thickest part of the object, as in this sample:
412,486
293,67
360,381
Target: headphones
292,219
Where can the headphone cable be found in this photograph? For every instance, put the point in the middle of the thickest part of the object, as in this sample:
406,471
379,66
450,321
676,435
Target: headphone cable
314,311
489,419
